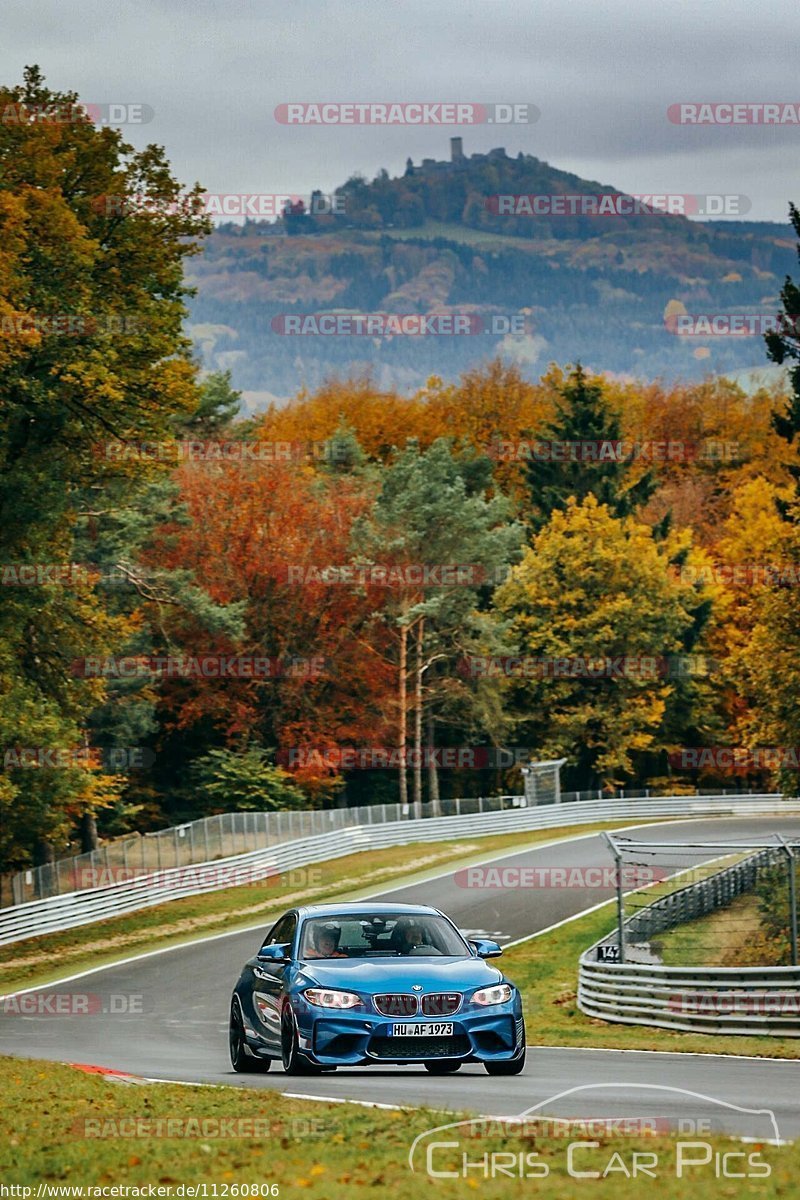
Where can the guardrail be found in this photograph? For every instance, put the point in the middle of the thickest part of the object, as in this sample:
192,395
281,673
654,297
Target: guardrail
734,1000
740,1000
117,899
225,834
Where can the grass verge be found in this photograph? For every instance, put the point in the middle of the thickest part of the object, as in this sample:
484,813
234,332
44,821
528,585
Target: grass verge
65,1128
719,939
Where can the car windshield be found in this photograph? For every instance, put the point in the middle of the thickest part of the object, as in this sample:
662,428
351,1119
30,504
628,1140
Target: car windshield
380,935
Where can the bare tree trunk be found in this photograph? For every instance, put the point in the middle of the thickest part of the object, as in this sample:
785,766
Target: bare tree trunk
402,734
44,852
418,720
433,773
89,839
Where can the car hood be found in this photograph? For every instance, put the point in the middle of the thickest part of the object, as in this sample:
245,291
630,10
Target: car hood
376,975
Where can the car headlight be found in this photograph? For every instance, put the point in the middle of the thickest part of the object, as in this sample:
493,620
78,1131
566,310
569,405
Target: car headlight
498,994
327,998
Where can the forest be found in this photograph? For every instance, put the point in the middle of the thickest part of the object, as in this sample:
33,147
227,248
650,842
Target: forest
363,594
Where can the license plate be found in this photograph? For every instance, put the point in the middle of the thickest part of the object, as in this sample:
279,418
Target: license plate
424,1029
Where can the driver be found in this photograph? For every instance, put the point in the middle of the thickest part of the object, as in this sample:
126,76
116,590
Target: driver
410,937
325,942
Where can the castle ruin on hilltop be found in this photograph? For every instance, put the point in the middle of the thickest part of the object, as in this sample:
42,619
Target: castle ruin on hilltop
458,160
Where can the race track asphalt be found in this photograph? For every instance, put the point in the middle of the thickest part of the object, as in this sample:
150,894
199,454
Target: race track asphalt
181,1031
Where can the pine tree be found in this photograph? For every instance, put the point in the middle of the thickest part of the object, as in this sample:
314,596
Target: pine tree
783,344
581,456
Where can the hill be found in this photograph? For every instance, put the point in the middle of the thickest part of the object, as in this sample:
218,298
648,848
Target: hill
461,236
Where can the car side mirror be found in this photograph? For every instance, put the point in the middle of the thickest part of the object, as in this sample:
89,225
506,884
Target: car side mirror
486,949
278,952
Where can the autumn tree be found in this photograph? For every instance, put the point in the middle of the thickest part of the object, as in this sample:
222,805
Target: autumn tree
595,593
92,244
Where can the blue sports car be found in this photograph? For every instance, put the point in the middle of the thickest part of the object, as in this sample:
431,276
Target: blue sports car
352,984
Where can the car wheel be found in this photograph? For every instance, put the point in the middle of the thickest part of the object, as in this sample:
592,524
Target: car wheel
509,1066
294,1062
240,1059
443,1066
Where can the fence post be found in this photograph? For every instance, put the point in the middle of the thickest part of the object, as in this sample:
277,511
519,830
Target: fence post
792,897
620,901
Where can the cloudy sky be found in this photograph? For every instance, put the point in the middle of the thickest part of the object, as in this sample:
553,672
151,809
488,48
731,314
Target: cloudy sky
601,72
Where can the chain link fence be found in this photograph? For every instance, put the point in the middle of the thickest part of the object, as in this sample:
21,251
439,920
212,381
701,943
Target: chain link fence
217,837
223,835
727,904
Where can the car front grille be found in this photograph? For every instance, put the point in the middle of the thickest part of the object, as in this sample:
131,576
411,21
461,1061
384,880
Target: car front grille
441,1004
396,1004
415,1047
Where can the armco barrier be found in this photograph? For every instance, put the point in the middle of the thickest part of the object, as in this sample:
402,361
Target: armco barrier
741,1000
82,907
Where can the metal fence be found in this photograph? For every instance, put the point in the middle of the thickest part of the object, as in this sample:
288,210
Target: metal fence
145,890
763,999
210,839
695,879
222,836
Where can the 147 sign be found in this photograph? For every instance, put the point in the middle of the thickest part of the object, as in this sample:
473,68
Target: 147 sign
608,953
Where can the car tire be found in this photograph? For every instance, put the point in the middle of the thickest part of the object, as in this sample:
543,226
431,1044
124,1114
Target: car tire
294,1061
443,1066
240,1059
509,1066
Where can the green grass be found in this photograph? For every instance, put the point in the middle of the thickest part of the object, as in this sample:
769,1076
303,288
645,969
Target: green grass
49,957
330,1151
454,233
716,940
545,969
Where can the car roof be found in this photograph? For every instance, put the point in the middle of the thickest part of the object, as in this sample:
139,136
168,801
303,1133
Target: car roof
363,906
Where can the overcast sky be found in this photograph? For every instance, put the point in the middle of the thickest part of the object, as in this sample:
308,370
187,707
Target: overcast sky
601,72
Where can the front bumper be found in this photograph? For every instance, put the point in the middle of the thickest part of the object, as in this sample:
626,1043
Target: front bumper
333,1038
